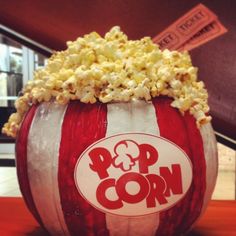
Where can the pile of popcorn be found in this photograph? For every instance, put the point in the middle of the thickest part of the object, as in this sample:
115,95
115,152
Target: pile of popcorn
114,69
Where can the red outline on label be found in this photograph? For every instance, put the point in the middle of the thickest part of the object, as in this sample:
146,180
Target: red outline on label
108,212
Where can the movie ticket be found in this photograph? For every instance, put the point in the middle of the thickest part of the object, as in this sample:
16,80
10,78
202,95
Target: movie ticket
196,27
185,27
209,32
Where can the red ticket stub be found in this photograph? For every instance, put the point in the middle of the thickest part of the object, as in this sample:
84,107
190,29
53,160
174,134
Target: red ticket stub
206,34
185,27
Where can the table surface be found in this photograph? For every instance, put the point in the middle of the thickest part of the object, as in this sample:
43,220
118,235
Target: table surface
15,219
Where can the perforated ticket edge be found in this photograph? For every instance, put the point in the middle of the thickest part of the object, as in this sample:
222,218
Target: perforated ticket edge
199,39
181,38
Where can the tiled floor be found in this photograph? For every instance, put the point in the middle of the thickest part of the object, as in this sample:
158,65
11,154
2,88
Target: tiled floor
226,181
8,182
225,186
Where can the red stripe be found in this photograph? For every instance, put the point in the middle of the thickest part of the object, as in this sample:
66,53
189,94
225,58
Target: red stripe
199,171
182,130
83,125
21,163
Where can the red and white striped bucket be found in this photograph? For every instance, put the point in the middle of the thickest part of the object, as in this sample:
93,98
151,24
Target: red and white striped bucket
75,179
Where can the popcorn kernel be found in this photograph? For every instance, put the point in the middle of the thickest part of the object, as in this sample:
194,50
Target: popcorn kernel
114,69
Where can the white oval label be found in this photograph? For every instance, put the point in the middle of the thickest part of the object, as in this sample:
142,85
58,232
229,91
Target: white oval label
133,174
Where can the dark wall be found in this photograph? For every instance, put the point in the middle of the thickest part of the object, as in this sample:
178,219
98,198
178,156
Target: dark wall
5,112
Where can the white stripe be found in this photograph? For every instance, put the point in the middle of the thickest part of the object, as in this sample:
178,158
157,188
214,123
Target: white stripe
42,160
136,116
211,157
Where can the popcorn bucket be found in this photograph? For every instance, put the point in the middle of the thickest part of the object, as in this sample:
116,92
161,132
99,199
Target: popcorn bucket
113,139
137,168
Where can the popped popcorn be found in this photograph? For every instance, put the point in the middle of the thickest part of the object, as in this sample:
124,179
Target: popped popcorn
114,69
